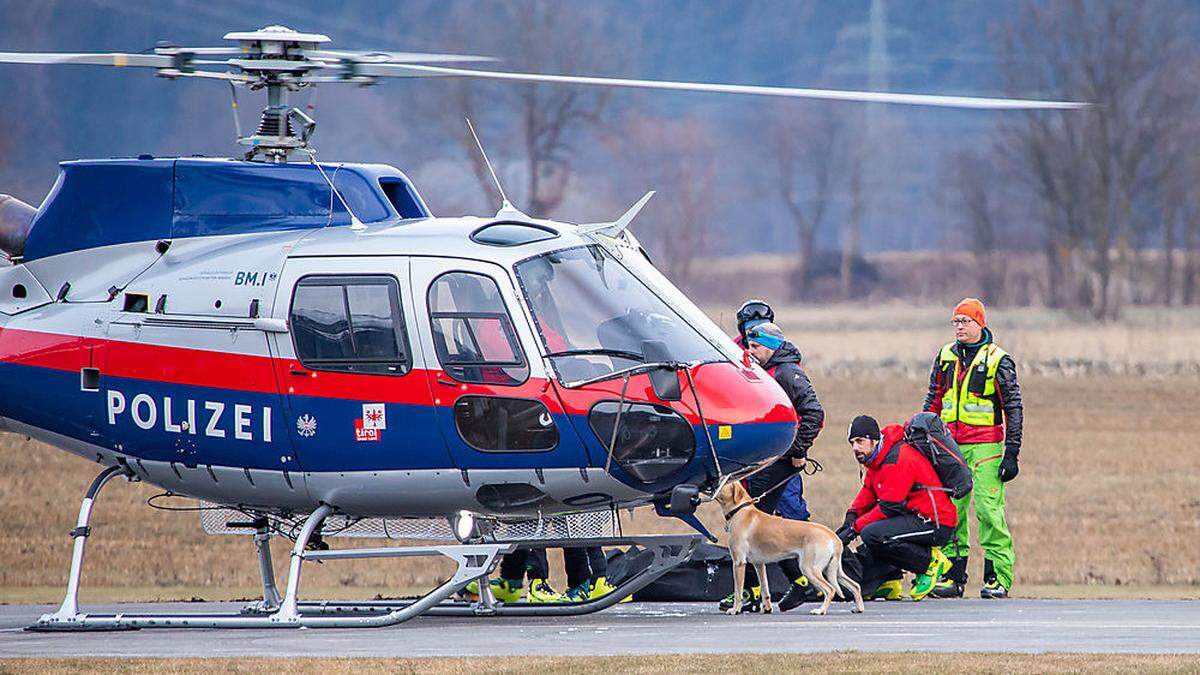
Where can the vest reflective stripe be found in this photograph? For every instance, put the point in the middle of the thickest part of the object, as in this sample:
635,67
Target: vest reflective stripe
959,404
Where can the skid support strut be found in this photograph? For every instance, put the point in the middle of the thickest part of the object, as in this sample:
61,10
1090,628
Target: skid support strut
473,560
68,612
266,569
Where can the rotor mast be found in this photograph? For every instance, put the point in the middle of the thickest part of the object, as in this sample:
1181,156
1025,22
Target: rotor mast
275,57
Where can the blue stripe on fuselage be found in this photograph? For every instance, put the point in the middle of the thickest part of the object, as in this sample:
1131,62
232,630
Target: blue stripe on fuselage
51,399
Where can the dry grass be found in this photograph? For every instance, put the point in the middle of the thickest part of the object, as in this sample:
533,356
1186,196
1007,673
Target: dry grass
840,662
1107,498
899,338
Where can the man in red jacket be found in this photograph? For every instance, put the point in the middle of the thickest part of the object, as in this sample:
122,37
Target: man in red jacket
901,512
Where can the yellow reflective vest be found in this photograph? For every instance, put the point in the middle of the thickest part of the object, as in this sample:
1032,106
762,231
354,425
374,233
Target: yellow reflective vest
970,398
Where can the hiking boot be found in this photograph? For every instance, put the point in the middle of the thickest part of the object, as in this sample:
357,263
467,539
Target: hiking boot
923,585
601,588
751,600
947,588
992,589
504,590
580,593
541,592
888,590
798,593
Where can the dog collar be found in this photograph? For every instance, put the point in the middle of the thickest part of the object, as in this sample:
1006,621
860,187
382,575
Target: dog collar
729,516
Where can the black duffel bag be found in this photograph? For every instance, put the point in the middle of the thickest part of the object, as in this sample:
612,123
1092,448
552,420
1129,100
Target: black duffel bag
707,575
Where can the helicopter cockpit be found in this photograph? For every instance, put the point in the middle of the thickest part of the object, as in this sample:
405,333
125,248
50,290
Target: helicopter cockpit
594,317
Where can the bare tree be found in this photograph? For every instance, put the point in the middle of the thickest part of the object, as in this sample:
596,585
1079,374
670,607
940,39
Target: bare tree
1088,169
974,199
537,125
852,230
809,157
678,159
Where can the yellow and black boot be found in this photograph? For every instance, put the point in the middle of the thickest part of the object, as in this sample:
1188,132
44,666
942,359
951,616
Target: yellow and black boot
992,588
798,593
751,600
955,580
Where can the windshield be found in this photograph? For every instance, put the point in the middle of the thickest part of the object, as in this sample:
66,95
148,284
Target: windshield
594,316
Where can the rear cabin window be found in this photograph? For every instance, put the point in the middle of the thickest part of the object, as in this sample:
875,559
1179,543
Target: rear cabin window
351,324
472,331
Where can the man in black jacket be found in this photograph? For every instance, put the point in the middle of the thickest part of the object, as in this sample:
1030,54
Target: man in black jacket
780,358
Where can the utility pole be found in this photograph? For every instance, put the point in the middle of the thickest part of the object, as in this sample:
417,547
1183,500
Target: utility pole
864,181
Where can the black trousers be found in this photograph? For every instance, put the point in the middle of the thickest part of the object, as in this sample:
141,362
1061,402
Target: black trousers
772,478
582,562
898,543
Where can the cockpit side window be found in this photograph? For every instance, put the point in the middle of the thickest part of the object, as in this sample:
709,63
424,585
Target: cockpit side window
350,323
473,332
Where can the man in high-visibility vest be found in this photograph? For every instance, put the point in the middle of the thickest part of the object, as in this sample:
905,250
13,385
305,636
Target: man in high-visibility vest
974,388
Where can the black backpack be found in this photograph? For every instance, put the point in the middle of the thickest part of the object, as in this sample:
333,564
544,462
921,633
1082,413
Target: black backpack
926,432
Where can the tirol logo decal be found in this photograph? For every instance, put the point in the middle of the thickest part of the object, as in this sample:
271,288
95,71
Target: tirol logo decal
374,416
370,426
306,426
362,433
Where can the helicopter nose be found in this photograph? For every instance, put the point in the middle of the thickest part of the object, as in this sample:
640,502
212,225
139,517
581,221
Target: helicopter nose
747,415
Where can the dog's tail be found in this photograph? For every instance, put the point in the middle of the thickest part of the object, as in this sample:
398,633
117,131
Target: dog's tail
833,570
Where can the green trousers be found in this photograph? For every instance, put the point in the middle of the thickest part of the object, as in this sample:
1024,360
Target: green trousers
994,537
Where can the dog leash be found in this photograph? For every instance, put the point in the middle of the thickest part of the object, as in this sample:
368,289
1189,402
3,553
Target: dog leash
815,466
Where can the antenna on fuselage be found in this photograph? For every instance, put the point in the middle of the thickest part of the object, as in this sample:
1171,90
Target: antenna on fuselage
506,207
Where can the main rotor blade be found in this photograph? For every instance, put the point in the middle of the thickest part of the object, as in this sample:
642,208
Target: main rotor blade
116,60
394,57
402,70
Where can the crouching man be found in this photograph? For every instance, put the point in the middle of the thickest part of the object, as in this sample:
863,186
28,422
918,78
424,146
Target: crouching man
902,513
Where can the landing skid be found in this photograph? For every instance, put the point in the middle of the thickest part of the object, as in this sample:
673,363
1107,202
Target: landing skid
668,550
473,560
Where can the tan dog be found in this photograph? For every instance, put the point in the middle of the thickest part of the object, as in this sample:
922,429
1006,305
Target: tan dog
760,538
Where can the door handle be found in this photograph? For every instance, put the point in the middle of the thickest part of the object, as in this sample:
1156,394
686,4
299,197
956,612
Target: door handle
300,373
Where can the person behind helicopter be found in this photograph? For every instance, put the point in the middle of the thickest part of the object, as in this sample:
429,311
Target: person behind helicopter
769,346
752,313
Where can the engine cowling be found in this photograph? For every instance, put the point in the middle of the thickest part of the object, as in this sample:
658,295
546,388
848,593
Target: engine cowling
15,218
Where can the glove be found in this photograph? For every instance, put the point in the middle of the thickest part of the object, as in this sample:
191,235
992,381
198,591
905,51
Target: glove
1008,466
846,532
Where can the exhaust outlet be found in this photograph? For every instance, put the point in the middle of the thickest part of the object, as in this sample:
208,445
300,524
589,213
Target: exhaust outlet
15,218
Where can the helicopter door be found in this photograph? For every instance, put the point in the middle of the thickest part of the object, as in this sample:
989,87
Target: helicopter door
349,367
495,405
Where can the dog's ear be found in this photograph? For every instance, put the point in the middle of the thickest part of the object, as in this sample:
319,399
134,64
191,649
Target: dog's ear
735,491
726,494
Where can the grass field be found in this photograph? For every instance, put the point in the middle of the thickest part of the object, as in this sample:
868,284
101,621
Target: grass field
841,662
1106,503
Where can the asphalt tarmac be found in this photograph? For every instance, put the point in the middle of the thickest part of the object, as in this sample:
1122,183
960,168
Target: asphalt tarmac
1143,626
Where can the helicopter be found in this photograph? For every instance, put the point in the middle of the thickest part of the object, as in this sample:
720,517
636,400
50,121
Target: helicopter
307,348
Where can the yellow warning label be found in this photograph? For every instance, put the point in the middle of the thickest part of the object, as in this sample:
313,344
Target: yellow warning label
725,432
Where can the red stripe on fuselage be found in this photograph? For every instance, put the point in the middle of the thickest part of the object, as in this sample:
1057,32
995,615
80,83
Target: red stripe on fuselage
727,397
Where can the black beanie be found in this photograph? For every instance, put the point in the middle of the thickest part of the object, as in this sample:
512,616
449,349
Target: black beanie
864,426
